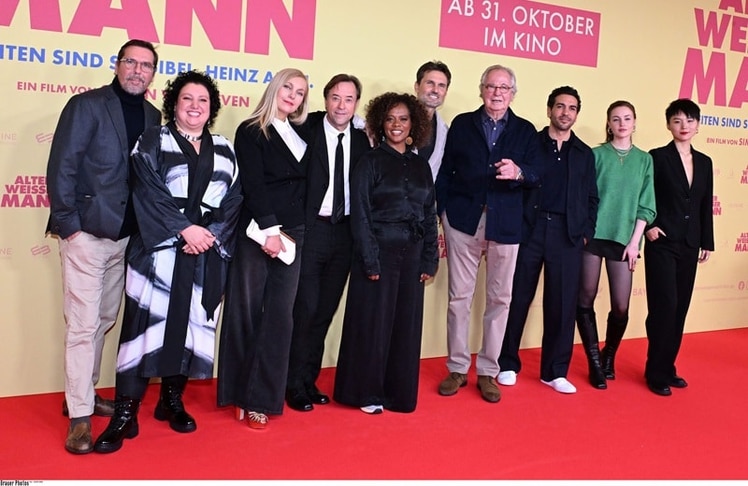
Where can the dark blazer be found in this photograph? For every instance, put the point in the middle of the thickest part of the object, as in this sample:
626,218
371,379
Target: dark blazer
318,176
683,213
273,181
581,190
88,168
467,178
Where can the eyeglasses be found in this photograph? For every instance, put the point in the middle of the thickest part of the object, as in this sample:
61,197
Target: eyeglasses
131,63
502,88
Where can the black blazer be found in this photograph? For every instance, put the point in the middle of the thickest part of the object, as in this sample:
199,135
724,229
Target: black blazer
683,213
273,181
581,190
318,177
88,168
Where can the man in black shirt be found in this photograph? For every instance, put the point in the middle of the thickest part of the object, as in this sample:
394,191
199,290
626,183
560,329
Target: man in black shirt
559,219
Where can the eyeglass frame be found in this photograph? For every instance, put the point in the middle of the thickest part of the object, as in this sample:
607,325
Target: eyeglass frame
130,63
502,88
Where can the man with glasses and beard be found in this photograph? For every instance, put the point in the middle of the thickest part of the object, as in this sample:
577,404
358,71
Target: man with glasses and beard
91,215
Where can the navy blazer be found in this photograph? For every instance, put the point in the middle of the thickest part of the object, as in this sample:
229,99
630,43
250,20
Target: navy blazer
273,181
89,165
581,190
684,213
467,182
318,176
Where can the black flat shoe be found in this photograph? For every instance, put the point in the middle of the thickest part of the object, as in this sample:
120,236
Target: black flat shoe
299,401
662,390
317,397
678,382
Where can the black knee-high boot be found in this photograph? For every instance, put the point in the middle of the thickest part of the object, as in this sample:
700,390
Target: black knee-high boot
587,325
123,425
613,336
170,406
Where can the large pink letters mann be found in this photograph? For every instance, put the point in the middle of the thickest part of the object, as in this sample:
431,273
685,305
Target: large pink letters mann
223,24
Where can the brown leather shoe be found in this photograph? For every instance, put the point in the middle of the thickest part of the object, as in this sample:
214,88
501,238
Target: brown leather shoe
79,439
102,407
489,390
452,383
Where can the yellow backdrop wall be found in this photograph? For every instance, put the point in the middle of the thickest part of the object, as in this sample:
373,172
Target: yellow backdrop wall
646,52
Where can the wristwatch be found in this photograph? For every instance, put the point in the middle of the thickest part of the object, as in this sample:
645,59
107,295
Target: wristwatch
520,174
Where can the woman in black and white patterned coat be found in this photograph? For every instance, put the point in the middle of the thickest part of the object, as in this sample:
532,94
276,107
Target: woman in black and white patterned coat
187,197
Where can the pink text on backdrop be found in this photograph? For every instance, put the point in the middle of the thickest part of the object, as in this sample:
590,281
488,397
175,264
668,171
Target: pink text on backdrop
222,23
521,28
705,69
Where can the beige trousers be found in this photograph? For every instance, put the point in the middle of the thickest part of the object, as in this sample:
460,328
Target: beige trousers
93,276
464,254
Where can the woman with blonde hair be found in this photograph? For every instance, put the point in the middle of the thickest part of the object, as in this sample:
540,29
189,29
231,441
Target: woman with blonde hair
257,322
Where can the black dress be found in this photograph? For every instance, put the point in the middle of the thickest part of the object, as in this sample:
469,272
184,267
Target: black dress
393,220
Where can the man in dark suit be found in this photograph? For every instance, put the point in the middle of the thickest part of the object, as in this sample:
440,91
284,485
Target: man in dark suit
489,157
328,244
91,215
559,219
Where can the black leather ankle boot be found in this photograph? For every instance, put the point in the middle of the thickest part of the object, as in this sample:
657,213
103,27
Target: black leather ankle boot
613,337
170,406
587,326
123,425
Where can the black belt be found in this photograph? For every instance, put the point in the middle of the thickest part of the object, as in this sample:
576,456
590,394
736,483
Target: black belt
328,219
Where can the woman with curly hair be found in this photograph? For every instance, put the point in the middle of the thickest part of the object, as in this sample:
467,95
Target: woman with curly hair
393,221
187,198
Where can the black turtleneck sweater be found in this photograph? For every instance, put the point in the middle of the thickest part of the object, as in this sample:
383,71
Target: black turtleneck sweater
134,114
132,109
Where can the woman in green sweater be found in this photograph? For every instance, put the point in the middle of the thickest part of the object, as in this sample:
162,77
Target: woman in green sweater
627,204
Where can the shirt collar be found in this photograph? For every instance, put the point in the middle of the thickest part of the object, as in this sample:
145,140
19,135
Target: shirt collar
331,131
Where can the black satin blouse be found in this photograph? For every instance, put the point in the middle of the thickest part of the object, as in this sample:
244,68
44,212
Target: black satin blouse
390,189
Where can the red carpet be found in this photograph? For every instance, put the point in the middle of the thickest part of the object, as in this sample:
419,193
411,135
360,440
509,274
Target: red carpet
625,432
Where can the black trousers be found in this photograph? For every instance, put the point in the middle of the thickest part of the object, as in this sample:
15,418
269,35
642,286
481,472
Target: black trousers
549,249
380,348
325,266
257,326
670,274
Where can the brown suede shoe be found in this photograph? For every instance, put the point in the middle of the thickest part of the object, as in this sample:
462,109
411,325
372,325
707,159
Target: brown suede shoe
79,439
452,383
102,407
489,390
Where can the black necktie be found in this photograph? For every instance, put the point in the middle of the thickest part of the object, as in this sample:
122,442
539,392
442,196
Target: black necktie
338,189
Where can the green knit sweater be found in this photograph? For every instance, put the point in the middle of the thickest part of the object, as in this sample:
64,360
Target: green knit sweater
626,190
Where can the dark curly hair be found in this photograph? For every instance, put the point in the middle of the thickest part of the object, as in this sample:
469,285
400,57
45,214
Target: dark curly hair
173,87
379,107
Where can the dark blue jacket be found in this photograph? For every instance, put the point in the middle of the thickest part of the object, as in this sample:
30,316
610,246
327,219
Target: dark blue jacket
467,178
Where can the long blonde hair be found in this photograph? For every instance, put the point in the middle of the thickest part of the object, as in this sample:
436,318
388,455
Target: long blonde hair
267,108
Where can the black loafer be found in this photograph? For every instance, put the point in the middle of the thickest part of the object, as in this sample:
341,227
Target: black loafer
678,382
299,401
317,397
662,390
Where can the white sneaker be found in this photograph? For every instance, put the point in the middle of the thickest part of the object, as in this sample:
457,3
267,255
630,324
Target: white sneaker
372,409
507,378
561,385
